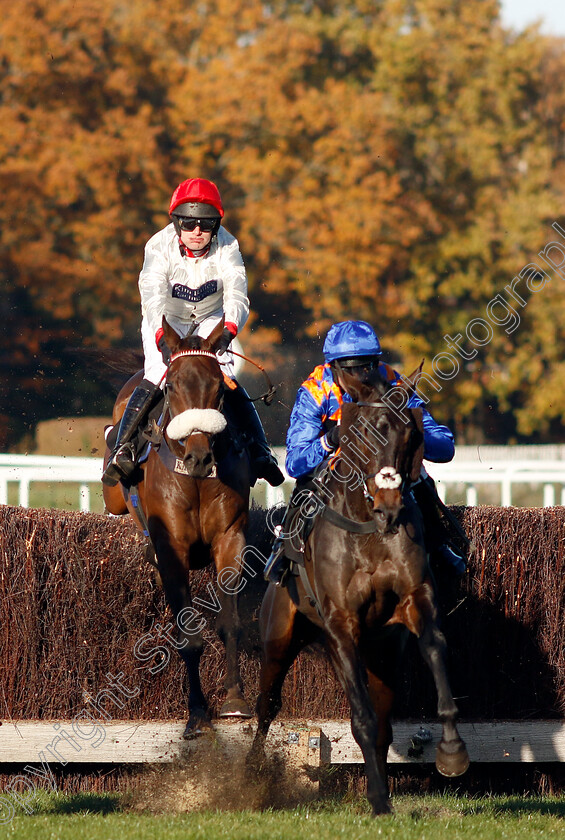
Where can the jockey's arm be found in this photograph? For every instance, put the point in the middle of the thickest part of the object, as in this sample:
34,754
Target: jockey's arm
153,286
234,278
439,445
306,446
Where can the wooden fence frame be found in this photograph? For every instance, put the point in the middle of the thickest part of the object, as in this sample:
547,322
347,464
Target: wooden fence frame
314,742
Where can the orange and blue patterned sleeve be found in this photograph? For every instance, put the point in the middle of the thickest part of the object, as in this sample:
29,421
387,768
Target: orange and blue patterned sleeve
305,439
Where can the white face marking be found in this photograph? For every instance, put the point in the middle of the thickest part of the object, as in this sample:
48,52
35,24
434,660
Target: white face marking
196,420
388,479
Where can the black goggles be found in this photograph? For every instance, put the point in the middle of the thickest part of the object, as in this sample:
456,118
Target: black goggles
205,225
359,364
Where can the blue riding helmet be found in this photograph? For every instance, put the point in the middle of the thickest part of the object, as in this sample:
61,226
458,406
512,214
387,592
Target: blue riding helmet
350,339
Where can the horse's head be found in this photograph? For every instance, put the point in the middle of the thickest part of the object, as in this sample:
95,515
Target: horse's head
194,390
383,443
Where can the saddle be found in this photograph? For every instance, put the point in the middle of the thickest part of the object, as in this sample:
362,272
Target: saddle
304,508
150,435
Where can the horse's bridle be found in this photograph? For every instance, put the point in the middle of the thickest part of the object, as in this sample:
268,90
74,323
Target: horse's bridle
386,477
166,401
182,353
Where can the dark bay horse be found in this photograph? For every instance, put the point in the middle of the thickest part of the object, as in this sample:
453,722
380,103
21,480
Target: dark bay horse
193,515
365,583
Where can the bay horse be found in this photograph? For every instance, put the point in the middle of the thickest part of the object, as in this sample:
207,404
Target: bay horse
365,584
195,510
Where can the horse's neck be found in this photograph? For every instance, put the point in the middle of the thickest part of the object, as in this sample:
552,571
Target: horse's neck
346,495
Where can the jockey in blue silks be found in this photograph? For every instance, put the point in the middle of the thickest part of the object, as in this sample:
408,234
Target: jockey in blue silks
313,434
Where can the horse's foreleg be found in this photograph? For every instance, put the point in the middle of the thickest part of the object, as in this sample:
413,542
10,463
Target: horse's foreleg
230,581
364,724
284,633
199,720
228,629
381,663
189,643
451,755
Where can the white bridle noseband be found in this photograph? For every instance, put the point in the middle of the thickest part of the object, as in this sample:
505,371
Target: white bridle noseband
207,420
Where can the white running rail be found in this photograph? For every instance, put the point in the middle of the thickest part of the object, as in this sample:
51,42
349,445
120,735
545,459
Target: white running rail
52,469
507,474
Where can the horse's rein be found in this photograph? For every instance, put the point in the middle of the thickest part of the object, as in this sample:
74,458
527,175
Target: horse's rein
387,477
267,397
270,394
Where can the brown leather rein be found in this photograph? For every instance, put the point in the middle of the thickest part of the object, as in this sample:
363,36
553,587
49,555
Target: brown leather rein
267,397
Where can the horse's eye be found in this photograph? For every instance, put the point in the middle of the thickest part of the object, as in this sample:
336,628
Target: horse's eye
383,426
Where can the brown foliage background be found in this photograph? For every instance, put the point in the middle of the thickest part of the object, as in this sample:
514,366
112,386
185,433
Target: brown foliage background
397,161
76,594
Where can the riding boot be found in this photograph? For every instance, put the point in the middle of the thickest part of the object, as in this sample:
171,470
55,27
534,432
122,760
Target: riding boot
278,564
248,420
436,535
122,461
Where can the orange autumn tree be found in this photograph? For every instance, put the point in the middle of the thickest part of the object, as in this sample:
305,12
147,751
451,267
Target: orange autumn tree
84,150
397,162
310,159
468,104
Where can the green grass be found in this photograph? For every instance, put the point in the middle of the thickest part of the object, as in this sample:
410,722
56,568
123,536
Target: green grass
438,817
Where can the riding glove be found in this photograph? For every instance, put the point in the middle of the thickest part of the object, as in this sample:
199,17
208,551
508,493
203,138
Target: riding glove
332,437
225,341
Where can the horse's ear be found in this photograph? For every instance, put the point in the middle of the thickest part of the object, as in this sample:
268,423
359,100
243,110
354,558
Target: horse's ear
411,382
215,335
170,335
416,466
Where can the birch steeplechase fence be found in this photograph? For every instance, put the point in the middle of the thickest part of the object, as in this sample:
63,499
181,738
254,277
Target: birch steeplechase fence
89,672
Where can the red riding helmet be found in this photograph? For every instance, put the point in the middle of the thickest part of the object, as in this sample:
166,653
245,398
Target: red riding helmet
197,198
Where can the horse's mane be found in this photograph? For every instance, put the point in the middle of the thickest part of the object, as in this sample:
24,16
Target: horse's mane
193,342
378,383
375,382
123,360
111,366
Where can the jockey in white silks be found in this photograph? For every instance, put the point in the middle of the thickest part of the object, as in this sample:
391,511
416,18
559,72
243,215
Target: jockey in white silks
193,274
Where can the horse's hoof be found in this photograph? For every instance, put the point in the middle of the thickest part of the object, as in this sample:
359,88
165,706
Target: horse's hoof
452,762
254,764
382,808
197,725
236,707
